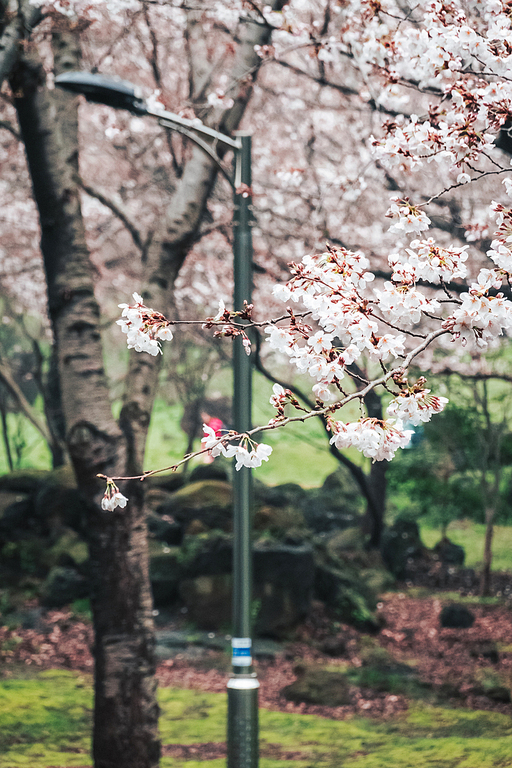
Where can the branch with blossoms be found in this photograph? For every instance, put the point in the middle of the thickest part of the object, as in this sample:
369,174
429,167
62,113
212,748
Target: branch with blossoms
349,316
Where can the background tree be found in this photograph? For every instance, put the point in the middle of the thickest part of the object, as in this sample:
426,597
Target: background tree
125,723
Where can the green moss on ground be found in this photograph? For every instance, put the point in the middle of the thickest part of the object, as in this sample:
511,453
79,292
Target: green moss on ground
45,720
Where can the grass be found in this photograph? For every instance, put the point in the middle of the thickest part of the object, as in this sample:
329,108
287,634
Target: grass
471,536
45,721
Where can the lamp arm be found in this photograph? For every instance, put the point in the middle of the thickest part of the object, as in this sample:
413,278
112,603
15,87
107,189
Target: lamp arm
176,121
192,135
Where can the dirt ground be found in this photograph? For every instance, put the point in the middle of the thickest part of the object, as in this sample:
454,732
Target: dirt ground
451,660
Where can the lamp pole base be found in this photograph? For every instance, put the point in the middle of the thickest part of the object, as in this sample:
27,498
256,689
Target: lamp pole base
242,739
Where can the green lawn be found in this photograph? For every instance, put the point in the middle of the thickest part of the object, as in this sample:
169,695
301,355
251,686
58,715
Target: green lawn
45,721
471,536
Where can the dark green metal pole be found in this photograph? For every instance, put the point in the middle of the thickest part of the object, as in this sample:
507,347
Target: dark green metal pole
242,741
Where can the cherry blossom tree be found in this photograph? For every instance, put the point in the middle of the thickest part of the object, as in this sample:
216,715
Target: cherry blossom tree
125,723
355,102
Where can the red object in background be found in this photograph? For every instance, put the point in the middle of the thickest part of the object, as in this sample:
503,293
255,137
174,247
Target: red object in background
216,425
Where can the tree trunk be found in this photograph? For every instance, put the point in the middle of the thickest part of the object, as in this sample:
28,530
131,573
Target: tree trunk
375,512
170,246
485,580
377,482
126,712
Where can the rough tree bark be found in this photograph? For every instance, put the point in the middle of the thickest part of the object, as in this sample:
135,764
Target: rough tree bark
170,245
125,719
126,713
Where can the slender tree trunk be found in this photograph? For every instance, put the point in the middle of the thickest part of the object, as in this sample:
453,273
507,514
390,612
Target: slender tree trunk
375,512
5,435
126,713
485,580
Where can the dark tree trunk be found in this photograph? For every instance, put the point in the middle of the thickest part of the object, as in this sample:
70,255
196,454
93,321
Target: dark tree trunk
126,713
485,579
5,435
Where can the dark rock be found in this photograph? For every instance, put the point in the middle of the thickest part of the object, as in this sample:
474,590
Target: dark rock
208,600
62,586
23,480
17,519
487,649
334,506
498,693
456,617
449,553
334,646
401,543
283,583
323,517
284,579
56,506
164,573
319,686
164,528
287,494
169,483
210,501
206,555
212,471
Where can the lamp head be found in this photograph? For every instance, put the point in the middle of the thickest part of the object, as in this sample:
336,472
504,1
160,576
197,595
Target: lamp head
101,89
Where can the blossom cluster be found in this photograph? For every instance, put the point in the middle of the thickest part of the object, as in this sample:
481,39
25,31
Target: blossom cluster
113,497
246,453
377,439
143,326
416,406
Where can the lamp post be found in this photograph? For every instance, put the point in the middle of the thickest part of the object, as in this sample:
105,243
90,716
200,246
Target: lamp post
242,730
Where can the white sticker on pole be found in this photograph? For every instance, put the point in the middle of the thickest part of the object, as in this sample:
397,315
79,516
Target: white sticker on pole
241,651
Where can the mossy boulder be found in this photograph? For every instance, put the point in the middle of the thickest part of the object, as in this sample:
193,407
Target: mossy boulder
154,497
24,480
279,521
210,501
164,528
339,543
170,483
285,495
62,586
70,550
315,685
347,597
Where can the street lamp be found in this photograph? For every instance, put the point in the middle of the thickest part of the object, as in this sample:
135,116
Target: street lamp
242,731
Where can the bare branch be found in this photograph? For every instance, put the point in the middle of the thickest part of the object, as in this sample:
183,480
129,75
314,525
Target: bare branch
117,210
7,379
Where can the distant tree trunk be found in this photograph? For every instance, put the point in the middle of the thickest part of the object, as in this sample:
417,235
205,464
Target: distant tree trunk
377,487
485,579
126,712
377,480
5,435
